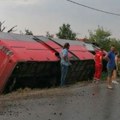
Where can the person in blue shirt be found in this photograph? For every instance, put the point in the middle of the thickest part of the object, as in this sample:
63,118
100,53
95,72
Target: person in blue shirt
110,66
64,63
114,76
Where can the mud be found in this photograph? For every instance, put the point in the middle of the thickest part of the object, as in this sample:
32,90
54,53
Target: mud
77,102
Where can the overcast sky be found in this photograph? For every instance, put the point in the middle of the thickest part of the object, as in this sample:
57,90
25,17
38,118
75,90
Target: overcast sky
41,16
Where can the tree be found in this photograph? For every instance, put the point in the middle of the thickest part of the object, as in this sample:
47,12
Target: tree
2,27
28,32
116,43
49,35
11,29
65,32
101,37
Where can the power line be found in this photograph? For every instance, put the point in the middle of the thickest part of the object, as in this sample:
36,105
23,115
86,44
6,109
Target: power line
93,8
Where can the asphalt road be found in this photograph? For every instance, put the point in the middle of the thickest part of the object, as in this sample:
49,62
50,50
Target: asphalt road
89,102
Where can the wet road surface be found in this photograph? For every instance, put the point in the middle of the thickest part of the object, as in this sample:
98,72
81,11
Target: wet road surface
91,102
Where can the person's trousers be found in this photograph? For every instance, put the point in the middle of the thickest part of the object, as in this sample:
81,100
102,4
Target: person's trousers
64,70
98,71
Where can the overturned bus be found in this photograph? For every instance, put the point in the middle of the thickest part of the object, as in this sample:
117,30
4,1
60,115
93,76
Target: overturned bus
33,61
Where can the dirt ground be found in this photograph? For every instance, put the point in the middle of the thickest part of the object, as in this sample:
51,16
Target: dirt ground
11,104
47,92
81,101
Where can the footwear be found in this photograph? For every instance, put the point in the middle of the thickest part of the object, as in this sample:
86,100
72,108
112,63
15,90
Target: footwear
95,81
109,87
115,82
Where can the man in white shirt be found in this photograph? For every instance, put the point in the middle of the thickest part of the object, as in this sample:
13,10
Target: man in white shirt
64,63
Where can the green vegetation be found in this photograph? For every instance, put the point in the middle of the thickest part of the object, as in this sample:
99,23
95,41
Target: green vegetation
103,38
65,32
104,76
28,32
100,36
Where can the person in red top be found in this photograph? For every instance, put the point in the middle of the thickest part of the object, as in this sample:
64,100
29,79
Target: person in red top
98,64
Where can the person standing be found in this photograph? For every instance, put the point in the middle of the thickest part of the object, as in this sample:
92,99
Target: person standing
98,65
64,63
114,76
118,65
110,66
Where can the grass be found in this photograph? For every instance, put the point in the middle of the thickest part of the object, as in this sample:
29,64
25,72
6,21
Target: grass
104,76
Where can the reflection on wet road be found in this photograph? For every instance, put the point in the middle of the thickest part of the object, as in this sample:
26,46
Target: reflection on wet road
92,102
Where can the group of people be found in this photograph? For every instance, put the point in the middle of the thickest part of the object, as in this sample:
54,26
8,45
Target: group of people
112,57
